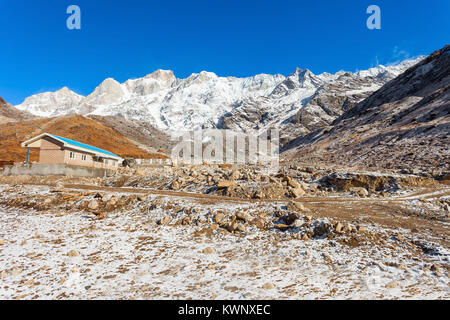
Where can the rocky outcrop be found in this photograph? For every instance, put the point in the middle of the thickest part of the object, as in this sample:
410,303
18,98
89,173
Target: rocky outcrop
10,114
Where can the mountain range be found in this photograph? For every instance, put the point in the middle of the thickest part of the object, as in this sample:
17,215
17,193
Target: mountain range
388,116
297,104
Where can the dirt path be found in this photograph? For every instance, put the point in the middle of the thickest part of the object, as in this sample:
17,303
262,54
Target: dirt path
390,212
424,194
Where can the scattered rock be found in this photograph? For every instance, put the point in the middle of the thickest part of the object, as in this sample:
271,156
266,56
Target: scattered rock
164,221
362,192
93,205
391,285
282,227
219,218
436,269
73,253
233,226
244,216
240,227
175,185
295,206
209,250
224,184
327,257
268,286
297,223
296,192
291,217
321,228
361,229
186,221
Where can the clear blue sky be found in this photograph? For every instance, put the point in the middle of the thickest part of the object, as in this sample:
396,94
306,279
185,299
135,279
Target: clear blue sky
129,39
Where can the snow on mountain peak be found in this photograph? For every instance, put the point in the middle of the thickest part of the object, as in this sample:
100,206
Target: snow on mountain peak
164,75
50,104
109,91
205,99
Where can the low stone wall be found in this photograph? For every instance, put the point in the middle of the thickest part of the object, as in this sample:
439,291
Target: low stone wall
37,169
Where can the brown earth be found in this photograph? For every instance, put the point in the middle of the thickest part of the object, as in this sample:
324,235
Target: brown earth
141,133
10,114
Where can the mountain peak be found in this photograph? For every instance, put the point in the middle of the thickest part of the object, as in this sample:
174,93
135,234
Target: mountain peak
66,91
108,81
109,91
160,74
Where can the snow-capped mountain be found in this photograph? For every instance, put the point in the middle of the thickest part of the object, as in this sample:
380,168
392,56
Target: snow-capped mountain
51,103
296,103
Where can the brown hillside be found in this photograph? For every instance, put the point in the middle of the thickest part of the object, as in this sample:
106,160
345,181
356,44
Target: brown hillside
74,127
9,114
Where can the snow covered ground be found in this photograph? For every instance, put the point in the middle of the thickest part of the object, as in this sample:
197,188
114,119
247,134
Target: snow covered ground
63,254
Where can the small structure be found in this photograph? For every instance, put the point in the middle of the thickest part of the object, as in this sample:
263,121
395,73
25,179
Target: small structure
57,150
157,161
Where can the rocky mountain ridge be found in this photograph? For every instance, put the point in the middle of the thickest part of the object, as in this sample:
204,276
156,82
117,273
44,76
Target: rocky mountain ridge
297,104
405,124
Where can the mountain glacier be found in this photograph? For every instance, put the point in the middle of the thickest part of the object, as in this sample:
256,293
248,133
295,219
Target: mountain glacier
296,104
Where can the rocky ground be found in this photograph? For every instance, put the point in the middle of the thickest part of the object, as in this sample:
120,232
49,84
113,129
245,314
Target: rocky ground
214,232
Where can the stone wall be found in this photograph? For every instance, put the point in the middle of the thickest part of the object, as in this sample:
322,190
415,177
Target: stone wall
38,169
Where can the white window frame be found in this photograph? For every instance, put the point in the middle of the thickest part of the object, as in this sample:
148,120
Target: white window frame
72,155
84,157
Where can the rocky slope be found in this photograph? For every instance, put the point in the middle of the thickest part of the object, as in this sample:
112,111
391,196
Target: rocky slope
139,132
298,104
405,124
10,114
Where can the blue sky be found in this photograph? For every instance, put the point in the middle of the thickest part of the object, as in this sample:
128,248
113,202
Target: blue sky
129,39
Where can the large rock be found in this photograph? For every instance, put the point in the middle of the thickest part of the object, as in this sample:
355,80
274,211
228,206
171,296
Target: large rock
244,216
296,192
93,205
224,184
360,191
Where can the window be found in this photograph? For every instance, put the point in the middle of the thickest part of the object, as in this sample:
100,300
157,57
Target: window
84,157
72,155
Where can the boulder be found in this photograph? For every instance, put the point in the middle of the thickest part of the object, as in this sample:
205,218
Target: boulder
93,205
295,206
224,184
362,192
209,250
73,253
164,221
175,185
244,216
296,192
219,218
